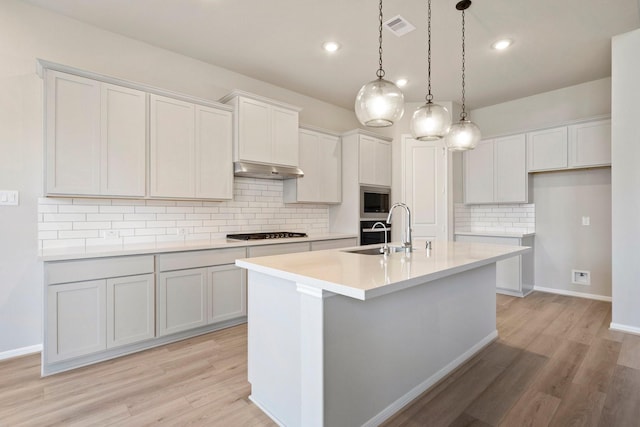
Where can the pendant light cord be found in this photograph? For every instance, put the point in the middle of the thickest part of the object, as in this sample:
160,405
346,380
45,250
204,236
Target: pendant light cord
463,114
380,72
429,97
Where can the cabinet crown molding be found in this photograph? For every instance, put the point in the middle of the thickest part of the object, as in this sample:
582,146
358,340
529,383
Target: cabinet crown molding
367,133
237,92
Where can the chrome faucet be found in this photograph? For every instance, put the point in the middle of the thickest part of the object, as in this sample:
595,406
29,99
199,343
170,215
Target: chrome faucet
406,244
385,249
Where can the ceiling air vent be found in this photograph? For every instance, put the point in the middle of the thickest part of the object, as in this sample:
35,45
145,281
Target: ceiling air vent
399,26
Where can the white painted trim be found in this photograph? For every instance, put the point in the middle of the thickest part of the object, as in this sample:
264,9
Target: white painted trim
403,401
21,352
572,293
263,409
309,290
624,328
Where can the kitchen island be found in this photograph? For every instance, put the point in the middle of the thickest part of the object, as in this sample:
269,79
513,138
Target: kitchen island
338,338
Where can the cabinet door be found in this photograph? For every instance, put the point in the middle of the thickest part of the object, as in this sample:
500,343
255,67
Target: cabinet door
478,173
330,162
510,171
171,147
508,274
284,136
75,320
254,130
123,141
382,163
547,149
367,156
590,144
213,158
308,187
130,309
227,293
72,134
182,300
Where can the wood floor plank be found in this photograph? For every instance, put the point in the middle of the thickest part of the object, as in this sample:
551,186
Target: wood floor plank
494,402
557,375
466,420
599,364
545,345
622,405
588,326
630,352
534,409
582,406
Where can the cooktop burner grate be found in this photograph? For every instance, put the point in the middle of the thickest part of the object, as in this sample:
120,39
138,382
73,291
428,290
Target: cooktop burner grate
268,235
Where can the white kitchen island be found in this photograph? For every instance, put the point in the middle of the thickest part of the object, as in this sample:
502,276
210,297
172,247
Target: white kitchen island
344,339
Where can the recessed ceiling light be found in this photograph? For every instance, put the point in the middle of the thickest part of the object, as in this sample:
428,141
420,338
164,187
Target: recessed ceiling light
502,44
331,46
401,82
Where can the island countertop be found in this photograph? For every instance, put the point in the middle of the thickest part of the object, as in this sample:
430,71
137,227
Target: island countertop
367,276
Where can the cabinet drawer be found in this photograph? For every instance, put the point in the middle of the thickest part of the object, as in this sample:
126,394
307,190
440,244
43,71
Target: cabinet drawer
96,268
195,259
285,248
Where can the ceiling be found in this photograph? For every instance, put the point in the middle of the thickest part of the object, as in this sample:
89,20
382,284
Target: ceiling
557,43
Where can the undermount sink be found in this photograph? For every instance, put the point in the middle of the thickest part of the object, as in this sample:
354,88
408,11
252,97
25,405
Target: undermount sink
375,251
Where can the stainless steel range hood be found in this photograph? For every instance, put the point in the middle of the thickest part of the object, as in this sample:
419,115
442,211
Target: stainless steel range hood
257,170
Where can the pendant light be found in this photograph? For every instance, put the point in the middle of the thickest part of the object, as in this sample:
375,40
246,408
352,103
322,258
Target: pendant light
465,134
379,103
430,121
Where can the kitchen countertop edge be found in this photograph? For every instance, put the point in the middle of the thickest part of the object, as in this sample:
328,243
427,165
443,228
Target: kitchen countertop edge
68,254
494,234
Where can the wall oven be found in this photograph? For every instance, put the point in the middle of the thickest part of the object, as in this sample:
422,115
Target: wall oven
371,236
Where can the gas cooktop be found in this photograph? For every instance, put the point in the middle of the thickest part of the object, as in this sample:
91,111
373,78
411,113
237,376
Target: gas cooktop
268,235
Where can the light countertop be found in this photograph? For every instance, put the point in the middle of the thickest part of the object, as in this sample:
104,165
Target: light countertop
64,254
493,234
367,276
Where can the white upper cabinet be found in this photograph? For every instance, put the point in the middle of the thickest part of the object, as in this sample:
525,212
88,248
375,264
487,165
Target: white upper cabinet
375,161
95,137
496,171
579,145
321,161
547,149
190,150
266,131
590,144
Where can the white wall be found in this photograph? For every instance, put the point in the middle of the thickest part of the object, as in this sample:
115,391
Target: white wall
562,198
29,33
625,178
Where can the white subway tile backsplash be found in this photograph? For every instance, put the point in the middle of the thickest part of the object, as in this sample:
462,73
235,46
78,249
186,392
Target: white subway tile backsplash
257,206
495,218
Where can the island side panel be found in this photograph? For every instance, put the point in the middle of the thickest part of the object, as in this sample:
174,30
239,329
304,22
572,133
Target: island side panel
383,352
274,347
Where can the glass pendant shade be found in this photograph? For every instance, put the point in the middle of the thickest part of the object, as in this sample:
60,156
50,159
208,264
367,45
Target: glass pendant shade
463,135
379,103
430,122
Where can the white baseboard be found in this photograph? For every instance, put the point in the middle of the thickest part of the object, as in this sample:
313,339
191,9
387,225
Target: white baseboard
21,352
624,328
403,401
572,293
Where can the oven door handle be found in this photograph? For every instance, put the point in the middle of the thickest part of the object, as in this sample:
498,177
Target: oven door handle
375,230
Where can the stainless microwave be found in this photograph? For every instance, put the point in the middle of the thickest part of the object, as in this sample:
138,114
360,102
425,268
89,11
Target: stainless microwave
374,202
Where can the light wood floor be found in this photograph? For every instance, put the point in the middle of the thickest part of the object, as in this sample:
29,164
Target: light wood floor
555,364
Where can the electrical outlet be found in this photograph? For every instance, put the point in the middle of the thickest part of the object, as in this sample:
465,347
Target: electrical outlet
580,277
110,234
182,231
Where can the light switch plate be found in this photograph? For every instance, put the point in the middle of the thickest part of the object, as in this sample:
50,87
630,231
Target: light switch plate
586,220
9,198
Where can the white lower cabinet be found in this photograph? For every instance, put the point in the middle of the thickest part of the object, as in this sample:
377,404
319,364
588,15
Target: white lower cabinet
227,297
199,288
97,304
182,297
130,309
76,320
514,276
